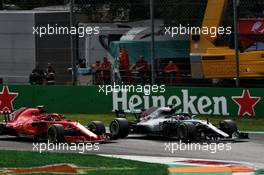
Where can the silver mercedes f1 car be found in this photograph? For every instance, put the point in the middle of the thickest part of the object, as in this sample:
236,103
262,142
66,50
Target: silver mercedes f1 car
165,123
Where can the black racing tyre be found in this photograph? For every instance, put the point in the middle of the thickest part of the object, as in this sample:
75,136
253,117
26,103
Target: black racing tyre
119,128
55,133
1,129
36,138
97,127
229,127
186,132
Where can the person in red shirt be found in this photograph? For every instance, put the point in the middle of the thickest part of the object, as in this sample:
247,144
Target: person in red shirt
171,73
124,59
139,70
106,71
96,72
140,66
124,65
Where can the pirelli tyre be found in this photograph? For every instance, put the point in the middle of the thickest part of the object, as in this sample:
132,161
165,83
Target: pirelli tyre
1,129
55,133
229,127
97,127
186,132
119,128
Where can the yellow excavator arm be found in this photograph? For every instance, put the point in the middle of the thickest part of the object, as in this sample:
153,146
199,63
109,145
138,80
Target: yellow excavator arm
212,18
209,61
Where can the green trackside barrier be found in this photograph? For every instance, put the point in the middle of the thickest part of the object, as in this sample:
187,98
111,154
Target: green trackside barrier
88,99
62,99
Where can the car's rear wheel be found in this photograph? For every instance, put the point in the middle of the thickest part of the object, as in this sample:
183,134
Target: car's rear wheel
97,127
55,133
1,129
186,132
229,127
119,128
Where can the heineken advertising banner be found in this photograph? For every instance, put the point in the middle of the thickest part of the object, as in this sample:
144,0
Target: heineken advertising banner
93,99
204,101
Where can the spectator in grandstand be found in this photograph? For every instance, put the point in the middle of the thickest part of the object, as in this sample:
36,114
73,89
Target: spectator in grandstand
82,63
140,66
124,65
96,72
171,73
158,70
124,59
50,75
140,69
36,76
106,71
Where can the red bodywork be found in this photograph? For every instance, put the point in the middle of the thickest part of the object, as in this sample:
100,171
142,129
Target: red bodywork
32,122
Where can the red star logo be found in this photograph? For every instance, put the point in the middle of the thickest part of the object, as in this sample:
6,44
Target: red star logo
7,98
246,103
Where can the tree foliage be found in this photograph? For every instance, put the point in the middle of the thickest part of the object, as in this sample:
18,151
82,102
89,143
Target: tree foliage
171,11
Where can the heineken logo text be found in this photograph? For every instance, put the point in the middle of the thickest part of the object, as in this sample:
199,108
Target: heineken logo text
183,103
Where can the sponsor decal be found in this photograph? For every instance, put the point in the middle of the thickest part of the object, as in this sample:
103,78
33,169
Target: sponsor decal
258,27
246,103
7,98
185,102
250,31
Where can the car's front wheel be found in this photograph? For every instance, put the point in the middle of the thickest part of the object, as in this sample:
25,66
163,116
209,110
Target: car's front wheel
97,127
55,133
119,128
186,132
229,127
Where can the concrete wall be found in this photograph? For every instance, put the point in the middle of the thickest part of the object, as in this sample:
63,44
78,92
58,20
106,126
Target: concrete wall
20,49
17,46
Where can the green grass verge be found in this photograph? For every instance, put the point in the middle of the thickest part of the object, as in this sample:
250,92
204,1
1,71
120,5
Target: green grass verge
244,123
100,165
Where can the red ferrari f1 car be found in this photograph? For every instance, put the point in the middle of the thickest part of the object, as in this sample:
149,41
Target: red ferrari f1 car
35,123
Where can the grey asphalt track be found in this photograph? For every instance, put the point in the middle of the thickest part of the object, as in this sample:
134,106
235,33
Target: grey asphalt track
251,151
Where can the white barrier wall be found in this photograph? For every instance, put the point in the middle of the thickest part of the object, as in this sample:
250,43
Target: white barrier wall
17,46
20,49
